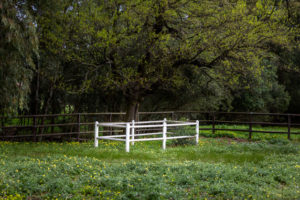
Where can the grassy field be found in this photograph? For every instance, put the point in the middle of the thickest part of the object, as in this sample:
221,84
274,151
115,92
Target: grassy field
255,136
215,169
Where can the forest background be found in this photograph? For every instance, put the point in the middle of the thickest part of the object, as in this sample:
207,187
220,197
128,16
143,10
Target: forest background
117,55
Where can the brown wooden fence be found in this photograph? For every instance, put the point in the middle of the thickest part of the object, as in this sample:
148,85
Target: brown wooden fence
79,126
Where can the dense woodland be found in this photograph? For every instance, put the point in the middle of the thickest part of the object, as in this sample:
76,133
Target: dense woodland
149,55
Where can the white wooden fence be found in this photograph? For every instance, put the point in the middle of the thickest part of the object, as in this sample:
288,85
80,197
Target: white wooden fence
132,127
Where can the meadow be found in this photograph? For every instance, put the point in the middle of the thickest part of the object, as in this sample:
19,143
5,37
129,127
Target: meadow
218,168
244,134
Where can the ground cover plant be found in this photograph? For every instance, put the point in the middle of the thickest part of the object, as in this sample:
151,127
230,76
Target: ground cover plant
215,169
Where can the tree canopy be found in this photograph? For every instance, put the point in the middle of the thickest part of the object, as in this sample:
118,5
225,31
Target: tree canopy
134,54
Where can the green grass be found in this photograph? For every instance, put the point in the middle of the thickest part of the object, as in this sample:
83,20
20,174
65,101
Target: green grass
215,169
255,136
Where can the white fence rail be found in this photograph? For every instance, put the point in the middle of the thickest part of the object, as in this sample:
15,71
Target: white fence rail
132,127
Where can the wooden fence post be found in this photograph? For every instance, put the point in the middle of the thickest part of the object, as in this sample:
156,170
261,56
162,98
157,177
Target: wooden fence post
250,126
213,122
52,122
78,126
289,126
173,115
3,127
34,128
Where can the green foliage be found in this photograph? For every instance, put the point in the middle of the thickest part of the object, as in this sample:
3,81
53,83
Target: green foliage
289,73
261,93
18,47
124,55
289,63
212,170
139,48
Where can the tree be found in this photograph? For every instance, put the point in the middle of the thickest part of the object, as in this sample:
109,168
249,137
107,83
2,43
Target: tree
139,47
47,88
262,94
18,47
289,59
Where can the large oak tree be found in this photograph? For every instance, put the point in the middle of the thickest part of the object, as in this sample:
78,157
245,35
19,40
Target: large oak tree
137,47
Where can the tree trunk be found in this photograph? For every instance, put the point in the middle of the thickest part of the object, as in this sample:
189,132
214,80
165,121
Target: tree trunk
34,95
45,111
132,111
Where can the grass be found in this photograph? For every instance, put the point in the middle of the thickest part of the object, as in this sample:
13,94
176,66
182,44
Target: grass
215,169
255,136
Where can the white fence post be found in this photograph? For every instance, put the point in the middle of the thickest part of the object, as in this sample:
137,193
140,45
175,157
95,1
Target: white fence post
96,133
132,133
164,133
127,136
197,132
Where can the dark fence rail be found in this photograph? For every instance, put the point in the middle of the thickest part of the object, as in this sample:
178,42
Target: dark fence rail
79,126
